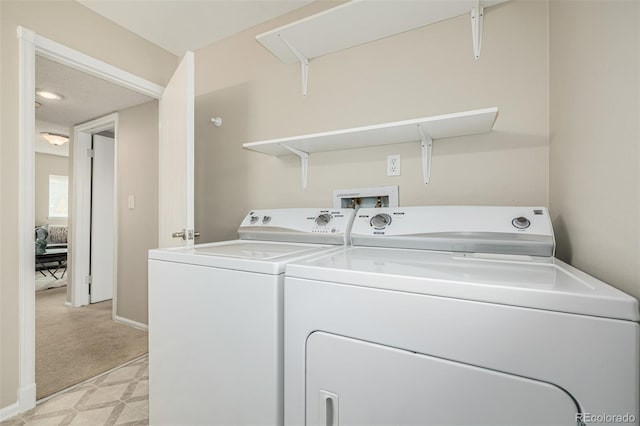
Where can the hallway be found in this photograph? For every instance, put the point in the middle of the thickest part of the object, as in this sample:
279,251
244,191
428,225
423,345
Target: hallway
75,344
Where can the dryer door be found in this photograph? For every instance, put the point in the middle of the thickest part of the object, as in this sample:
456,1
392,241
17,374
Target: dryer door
352,382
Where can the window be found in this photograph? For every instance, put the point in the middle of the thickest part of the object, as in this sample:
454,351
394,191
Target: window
58,196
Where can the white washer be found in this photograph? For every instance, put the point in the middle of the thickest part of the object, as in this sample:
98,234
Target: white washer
216,318
465,318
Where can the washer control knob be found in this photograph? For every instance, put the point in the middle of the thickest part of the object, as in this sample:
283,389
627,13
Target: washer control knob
266,219
380,221
521,222
253,219
323,219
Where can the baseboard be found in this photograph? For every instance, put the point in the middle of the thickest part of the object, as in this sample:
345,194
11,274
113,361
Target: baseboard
9,411
68,304
131,323
26,401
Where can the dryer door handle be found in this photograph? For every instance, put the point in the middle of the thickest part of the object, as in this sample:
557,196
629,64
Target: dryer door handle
328,409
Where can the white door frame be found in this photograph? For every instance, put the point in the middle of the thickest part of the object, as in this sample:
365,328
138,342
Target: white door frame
80,218
30,43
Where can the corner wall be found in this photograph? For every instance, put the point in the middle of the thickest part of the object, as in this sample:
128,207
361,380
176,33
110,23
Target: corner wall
427,71
137,228
595,137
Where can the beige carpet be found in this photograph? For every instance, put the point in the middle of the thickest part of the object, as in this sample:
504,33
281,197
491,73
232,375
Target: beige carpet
75,344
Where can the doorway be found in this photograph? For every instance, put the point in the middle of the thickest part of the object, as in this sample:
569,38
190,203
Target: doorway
31,44
94,206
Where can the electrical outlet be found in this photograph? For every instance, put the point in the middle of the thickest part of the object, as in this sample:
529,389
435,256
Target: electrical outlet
393,165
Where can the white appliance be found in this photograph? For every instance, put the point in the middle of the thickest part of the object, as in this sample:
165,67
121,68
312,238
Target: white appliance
216,318
456,316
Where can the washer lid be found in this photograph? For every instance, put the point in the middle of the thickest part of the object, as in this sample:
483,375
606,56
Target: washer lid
245,255
525,281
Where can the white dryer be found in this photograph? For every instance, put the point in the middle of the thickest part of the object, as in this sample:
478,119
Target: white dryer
456,316
216,318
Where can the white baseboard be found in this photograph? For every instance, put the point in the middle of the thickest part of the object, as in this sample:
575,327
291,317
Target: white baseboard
131,323
9,411
26,401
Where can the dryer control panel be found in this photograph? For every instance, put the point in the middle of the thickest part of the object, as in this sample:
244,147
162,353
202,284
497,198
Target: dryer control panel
469,229
308,225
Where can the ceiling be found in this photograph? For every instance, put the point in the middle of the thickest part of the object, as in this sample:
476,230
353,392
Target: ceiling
175,25
181,25
85,98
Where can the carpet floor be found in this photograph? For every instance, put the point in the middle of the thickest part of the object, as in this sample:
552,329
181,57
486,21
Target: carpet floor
75,344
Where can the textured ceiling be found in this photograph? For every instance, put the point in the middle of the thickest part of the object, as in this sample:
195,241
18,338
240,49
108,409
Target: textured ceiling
85,97
183,25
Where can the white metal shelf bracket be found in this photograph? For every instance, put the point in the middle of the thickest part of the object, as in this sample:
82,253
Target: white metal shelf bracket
304,162
304,64
427,145
477,19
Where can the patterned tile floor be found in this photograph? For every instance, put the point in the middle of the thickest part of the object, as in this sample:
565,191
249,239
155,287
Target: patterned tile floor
119,397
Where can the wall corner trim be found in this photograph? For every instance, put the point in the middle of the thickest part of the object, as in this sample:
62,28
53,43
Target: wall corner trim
26,34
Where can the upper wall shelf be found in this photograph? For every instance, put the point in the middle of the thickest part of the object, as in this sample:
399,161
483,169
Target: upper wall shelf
362,21
423,130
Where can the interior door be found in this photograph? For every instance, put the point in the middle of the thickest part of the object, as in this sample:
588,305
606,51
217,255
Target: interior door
176,204
102,219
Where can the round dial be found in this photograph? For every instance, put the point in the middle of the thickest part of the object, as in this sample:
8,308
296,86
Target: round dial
323,219
521,222
266,219
380,221
254,219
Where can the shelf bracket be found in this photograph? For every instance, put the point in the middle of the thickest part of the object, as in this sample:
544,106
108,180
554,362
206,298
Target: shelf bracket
477,18
304,64
427,145
304,162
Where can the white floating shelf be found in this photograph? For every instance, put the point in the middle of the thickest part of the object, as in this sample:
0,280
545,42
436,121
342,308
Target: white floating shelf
423,130
362,21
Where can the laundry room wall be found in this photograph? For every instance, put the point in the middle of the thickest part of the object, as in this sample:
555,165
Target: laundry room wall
595,134
427,71
73,25
137,227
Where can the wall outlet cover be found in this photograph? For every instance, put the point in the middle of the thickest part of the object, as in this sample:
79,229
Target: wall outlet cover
393,165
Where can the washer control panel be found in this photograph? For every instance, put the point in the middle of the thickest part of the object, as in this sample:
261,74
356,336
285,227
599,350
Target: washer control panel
298,225
490,229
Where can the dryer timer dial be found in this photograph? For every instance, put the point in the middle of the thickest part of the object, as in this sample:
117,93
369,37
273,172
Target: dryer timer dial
380,221
521,222
323,219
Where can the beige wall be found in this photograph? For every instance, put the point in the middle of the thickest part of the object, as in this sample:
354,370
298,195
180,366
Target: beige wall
595,137
423,72
47,164
71,24
137,228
